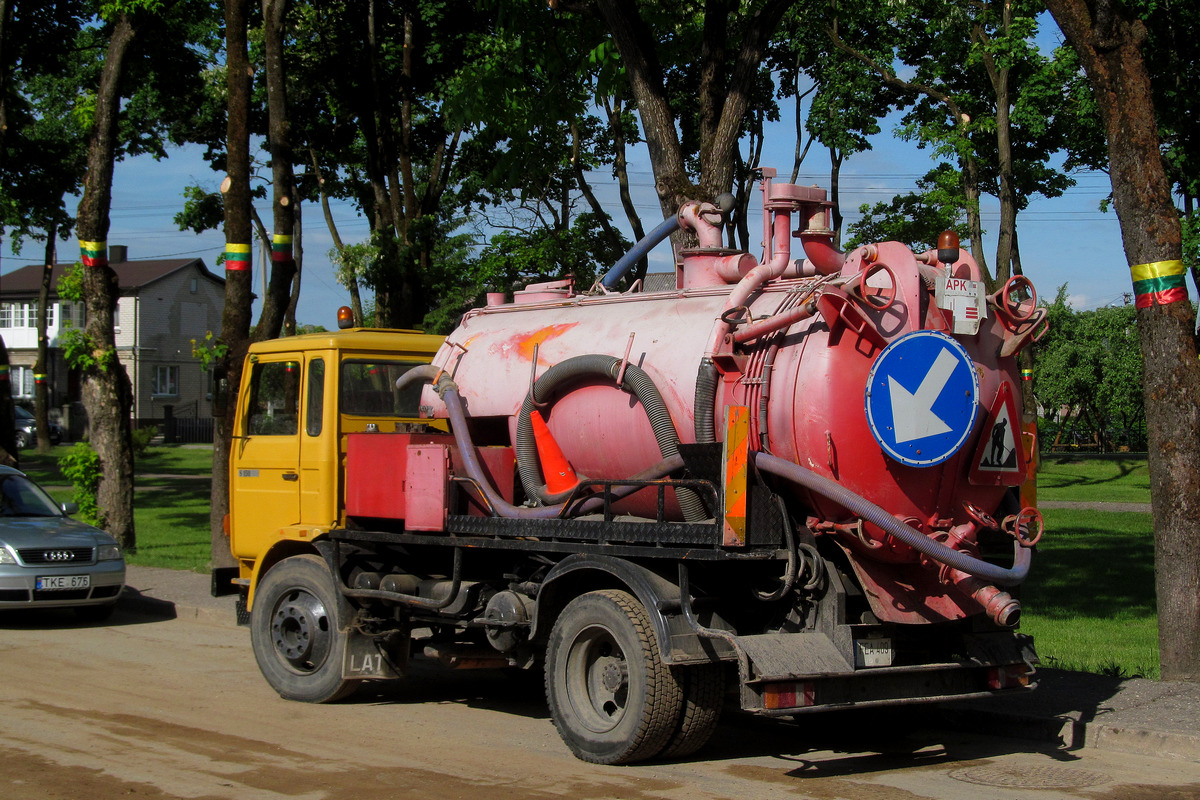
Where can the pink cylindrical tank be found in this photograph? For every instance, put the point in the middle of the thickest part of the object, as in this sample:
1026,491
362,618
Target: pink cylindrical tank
805,382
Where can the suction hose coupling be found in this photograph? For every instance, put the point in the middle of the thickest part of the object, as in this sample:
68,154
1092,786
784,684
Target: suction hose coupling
427,373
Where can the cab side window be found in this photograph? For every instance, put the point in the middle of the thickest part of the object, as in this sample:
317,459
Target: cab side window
274,399
315,402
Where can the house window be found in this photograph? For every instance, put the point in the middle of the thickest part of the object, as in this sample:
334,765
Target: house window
21,379
165,382
117,316
22,315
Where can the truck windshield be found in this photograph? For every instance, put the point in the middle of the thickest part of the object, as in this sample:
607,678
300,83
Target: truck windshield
368,388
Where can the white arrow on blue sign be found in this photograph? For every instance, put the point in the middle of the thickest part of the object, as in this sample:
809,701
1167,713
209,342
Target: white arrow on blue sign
922,398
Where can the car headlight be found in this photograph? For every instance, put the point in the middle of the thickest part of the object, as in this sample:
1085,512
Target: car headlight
108,552
5,556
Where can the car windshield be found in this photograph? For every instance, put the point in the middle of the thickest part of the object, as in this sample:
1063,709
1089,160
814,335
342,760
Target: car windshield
21,413
21,497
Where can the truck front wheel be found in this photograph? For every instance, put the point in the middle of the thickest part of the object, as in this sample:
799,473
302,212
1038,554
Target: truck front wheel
297,628
611,697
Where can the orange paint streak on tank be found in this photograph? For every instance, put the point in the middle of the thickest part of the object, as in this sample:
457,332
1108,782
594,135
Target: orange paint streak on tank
526,343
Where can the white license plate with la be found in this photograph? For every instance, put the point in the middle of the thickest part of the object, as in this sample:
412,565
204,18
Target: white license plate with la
52,583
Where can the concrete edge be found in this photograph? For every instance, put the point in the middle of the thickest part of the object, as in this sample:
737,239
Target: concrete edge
1069,733
135,602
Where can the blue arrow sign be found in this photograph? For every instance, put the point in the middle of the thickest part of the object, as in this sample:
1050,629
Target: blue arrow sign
922,398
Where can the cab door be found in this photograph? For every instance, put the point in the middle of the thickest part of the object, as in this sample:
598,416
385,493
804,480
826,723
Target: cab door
265,468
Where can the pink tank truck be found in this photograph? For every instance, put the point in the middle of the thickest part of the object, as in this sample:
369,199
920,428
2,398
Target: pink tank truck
789,483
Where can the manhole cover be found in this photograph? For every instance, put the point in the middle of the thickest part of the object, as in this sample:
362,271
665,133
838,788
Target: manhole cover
1046,777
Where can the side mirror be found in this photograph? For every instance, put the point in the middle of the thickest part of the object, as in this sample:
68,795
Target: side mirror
70,508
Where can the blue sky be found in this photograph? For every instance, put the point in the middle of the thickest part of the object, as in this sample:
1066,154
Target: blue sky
1064,240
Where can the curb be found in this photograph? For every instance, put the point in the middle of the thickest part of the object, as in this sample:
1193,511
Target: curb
1070,732
135,602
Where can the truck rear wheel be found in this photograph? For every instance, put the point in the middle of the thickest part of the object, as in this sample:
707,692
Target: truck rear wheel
297,630
703,696
611,697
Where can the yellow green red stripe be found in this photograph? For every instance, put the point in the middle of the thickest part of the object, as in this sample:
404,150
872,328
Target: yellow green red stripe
237,257
93,254
1159,283
281,248
1026,374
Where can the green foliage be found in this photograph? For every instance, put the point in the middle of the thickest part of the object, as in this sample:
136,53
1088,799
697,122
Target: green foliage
82,467
202,210
915,218
140,439
70,284
211,350
1191,241
1089,366
353,262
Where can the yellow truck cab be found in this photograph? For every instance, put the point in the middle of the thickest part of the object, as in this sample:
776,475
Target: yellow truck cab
300,398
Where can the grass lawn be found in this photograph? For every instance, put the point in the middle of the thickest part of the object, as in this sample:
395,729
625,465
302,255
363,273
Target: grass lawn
1117,479
170,514
1089,599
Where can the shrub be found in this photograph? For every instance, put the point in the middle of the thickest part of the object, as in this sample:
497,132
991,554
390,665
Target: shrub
81,466
141,440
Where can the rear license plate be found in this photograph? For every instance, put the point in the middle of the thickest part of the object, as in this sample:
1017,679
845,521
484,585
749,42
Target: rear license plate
873,652
57,582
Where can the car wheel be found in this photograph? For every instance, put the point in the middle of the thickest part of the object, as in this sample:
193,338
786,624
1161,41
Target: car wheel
95,613
22,440
611,697
297,629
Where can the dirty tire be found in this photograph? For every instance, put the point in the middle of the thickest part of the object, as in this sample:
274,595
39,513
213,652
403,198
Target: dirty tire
296,628
703,697
611,697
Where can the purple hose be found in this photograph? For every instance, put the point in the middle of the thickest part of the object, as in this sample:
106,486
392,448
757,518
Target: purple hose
894,527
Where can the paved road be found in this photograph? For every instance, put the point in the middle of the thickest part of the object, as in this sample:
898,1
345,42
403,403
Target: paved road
157,707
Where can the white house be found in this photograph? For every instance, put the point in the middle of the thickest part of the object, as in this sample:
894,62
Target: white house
164,305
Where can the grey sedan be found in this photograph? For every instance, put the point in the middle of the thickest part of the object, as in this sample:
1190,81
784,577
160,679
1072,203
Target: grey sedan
48,560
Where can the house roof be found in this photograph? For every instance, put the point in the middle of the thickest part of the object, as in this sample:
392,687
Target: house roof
131,275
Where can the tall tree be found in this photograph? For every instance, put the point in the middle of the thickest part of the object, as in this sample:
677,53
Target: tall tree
1109,37
731,40
239,294
107,393
283,180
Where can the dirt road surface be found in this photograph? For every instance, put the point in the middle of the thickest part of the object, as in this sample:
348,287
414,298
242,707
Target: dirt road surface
148,709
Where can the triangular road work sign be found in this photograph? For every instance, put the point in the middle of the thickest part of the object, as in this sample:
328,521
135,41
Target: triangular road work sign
1000,459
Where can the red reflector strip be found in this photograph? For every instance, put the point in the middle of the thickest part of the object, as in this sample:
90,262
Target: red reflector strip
793,694
1008,677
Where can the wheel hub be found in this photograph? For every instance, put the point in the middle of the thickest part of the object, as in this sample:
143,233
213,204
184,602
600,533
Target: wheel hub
300,630
614,675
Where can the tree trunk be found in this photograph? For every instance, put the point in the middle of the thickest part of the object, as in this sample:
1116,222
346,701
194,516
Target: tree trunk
239,289
283,264
107,394
637,48
338,245
1110,48
998,74
6,9
9,455
41,388
835,179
